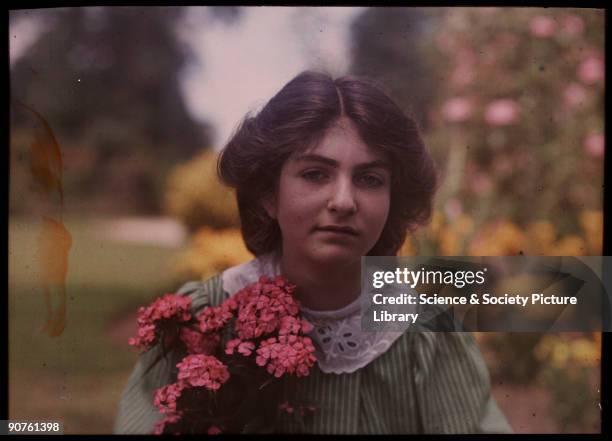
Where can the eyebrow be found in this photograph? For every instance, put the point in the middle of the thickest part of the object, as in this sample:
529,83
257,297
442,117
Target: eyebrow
333,163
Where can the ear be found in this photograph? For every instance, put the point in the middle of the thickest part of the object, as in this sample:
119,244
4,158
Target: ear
269,204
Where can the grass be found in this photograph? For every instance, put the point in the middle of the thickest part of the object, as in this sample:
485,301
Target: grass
77,376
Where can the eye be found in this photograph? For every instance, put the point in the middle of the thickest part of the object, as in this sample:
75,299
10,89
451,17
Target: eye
370,180
314,175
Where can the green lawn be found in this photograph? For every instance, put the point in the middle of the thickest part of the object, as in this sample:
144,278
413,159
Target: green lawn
77,376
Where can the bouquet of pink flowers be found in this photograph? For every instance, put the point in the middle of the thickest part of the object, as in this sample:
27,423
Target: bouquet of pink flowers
235,356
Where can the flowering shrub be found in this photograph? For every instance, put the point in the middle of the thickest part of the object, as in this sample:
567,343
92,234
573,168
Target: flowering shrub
196,197
521,116
455,233
210,252
228,385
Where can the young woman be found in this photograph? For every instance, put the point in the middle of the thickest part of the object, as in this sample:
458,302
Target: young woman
327,172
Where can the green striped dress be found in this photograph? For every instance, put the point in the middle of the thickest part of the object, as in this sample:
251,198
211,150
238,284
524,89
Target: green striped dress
426,382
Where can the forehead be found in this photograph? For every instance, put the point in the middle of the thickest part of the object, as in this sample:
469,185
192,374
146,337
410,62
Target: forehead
343,142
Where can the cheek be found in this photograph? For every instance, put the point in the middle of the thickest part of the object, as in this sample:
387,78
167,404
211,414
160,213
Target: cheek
377,213
294,211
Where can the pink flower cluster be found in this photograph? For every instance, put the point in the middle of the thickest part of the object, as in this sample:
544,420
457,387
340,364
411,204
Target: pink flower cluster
591,70
502,112
262,305
542,26
594,145
199,370
457,109
166,396
169,308
267,327
196,370
286,354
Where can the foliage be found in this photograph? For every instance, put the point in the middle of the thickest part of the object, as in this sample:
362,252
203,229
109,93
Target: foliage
196,197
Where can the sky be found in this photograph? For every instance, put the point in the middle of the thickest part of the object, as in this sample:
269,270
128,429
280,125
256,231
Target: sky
239,66
246,63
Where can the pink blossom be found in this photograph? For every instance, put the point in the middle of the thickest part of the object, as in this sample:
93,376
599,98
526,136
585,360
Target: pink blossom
542,26
262,305
457,109
232,345
594,145
288,353
574,94
167,307
202,371
591,70
244,347
572,25
293,325
198,343
165,397
502,112
145,338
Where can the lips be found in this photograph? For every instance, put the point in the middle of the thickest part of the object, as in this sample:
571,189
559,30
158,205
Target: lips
350,231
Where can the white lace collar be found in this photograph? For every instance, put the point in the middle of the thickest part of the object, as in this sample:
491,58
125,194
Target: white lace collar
342,346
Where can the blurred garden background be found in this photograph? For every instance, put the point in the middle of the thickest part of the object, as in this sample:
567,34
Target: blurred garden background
117,115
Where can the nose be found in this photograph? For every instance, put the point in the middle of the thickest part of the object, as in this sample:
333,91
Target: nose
342,197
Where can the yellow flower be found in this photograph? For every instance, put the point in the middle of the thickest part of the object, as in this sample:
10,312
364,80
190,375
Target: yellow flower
560,354
449,242
213,251
541,236
435,225
501,238
408,248
592,224
585,352
463,224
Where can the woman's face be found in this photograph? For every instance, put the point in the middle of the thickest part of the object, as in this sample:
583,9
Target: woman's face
333,199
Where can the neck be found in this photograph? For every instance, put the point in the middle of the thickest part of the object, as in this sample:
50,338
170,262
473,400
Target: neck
322,287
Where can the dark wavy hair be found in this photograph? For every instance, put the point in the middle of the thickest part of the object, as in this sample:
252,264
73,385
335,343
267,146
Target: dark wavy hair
296,118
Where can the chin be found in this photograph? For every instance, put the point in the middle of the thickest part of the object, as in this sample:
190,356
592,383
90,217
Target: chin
336,255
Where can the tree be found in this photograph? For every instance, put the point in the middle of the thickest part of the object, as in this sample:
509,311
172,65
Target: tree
107,81
388,46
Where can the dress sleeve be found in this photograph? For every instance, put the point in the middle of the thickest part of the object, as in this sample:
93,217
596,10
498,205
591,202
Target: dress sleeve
136,412
452,385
